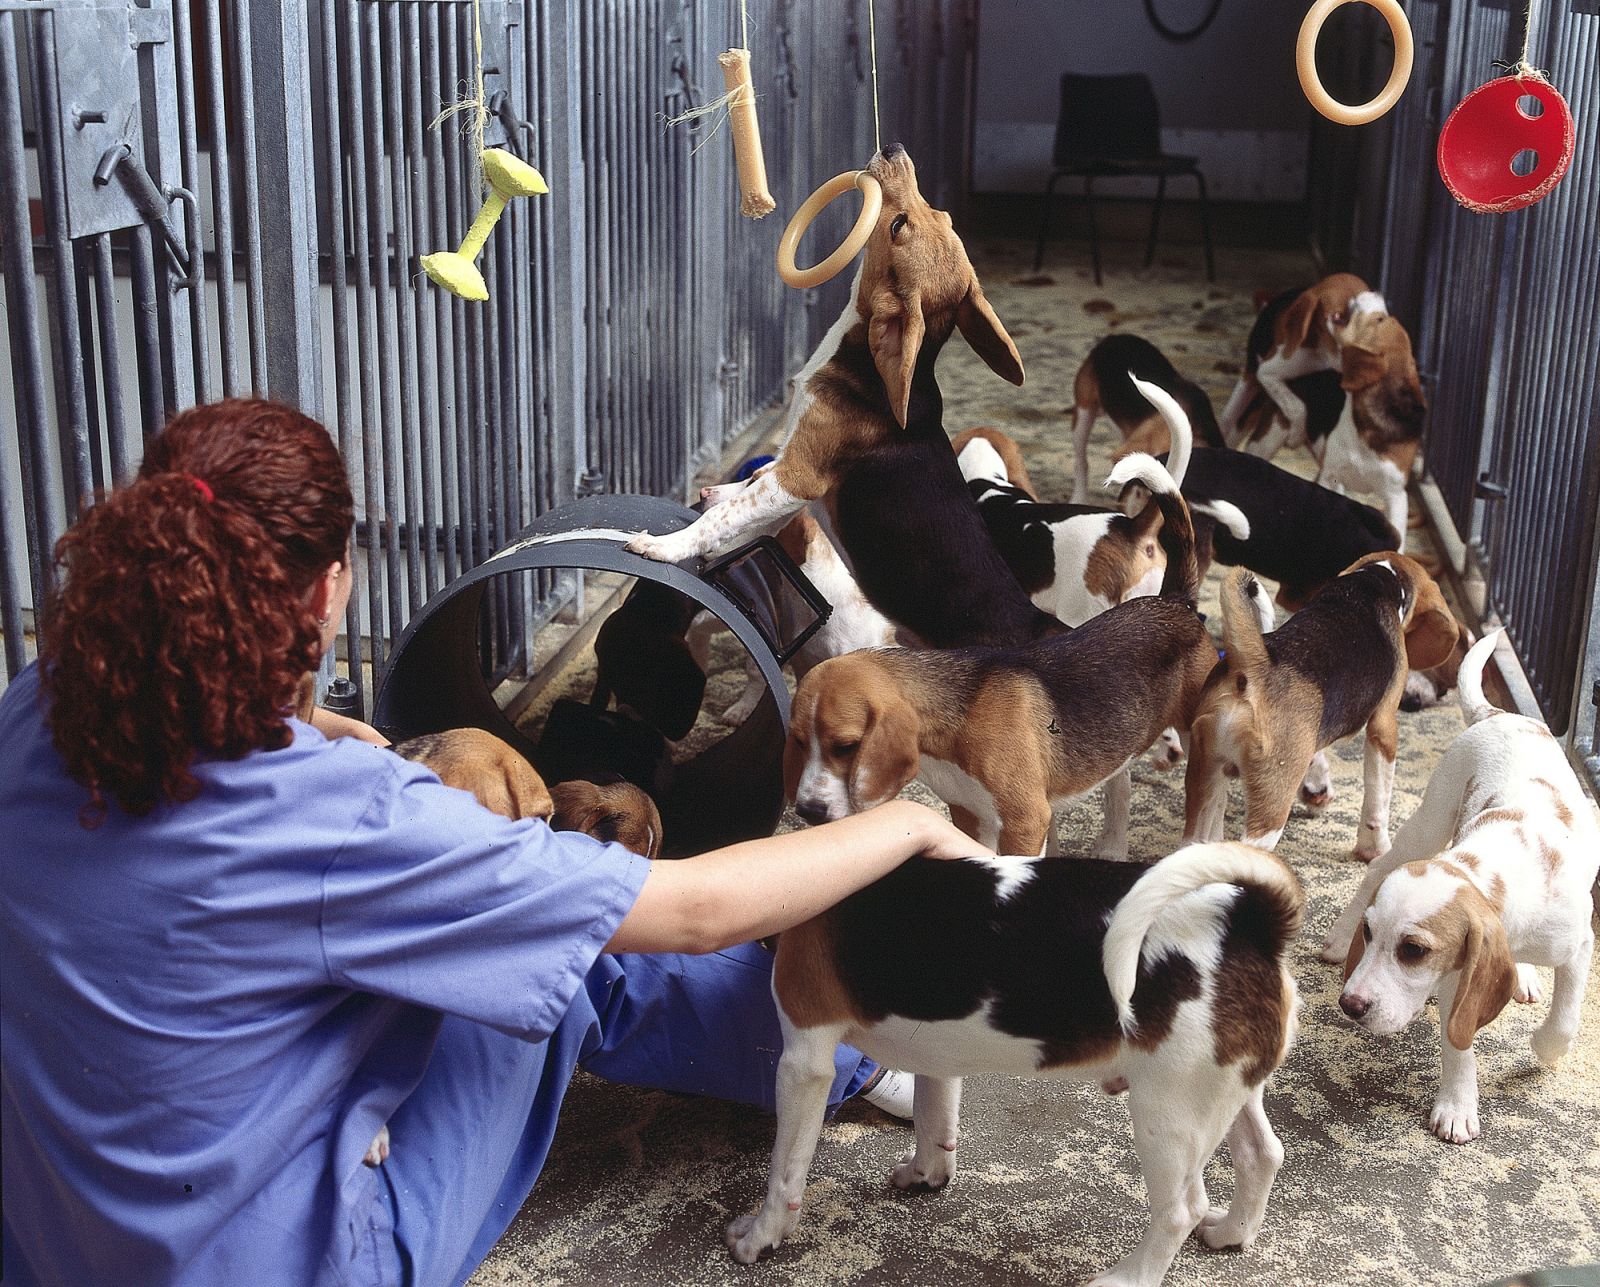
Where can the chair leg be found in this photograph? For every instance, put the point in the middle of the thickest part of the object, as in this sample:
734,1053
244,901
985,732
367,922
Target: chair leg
1155,220
1205,226
1094,231
1044,222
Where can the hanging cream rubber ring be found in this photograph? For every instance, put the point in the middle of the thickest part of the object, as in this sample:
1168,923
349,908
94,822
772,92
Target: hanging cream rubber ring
1305,57
866,221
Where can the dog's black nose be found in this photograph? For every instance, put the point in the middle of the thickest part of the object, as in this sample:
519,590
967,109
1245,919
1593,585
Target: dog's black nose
893,150
1355,1007
811,812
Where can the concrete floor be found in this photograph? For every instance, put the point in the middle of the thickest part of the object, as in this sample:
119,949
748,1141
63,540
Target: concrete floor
640,1184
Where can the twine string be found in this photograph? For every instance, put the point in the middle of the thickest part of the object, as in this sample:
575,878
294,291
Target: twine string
1522,68
872,41
476,102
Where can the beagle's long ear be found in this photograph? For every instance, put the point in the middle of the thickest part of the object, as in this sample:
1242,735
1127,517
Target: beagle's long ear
1488,975
895,336
1431,630
576,806
1299,318
1361,368
525,790
888,756
1358,948
983,330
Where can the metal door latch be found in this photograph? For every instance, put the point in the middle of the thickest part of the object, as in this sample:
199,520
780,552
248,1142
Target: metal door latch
1487,489
151,200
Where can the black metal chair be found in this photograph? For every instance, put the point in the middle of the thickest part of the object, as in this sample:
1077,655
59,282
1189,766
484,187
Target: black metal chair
1110,127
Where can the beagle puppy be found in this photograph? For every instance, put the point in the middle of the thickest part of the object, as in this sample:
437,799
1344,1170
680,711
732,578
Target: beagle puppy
1277,699
1292,336
1168,979
866,445
483,765
1111,380
1298,533
1495,868
612,811
1005,735
1324,400
1375,442
1075,560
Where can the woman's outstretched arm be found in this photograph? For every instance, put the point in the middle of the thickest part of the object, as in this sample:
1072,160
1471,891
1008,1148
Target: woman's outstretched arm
759,887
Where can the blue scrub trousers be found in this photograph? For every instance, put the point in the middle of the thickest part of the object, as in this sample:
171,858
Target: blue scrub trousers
473,1136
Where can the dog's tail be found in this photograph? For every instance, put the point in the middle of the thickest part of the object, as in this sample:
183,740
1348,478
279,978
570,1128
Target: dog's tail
1469,681
1182,579
1178,428
1245,610
1254,870
1225,512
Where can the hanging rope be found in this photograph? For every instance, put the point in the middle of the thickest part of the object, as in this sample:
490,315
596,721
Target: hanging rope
872,41
477,103
1522,68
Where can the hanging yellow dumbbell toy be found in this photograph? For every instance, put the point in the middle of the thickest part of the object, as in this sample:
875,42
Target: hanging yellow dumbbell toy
508,176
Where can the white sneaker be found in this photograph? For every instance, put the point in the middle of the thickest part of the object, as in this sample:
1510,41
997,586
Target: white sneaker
890,1091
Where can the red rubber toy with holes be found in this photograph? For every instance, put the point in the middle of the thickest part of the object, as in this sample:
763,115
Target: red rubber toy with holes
1489,128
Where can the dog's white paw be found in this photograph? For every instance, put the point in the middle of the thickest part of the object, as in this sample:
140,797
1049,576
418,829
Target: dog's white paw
1527,990
929,1174
1334,951
671,548
1454,1122
750,1235
1549,1046
378,1151
1167,753
1112,850
1218,1229
1370,847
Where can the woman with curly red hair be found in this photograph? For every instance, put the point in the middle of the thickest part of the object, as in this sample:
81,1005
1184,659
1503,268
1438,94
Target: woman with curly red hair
233,948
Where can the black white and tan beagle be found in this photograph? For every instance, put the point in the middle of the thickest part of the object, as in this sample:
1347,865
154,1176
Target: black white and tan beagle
1168,980
1275,700
1112,380
866,444
612,810
1006,734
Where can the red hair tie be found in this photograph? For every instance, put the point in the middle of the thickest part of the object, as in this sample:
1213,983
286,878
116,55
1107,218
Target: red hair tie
203,487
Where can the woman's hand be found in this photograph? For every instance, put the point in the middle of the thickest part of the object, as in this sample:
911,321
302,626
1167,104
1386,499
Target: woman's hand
332,725
946,840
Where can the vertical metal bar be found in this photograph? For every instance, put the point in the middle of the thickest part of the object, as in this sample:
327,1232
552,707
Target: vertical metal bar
463,316
245,26
387,357
285,321
69,358
27,359
423,303
405,431
568,251
92,393
189,167
221,201
334,186
438,231
105,295
146,328
367,356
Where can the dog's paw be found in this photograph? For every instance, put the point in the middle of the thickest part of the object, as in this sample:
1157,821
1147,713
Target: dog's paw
928,1176
378,1151
1370,845
671,548
1167,753
1334,951
748,1237
1527,990
1454,1122
1315,799
1549,1046
1220,1231
1112,850
1114,1085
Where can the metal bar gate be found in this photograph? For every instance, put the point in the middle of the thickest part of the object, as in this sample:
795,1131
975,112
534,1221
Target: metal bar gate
202,198
1506,310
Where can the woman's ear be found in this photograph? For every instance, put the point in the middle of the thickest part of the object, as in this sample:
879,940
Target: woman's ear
321,598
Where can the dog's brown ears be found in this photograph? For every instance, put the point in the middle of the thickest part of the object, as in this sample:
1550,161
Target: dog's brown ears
1299,318
1431,630
1488,974
1358,947
982,329
1360,368
895,336
888,756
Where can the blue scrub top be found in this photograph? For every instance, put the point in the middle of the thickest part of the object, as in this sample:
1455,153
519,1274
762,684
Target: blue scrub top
207,1013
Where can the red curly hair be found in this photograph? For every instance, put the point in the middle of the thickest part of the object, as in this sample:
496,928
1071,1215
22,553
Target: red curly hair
181,627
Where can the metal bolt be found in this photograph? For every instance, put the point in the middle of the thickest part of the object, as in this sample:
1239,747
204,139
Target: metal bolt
82,116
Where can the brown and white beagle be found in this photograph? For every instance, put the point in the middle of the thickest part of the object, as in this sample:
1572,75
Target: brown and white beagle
1292,336
615,811
484,766
1167,980
1006,734
866,442
1277,699
1493,874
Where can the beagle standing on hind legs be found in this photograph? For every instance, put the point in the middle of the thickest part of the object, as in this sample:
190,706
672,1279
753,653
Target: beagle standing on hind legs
1492,875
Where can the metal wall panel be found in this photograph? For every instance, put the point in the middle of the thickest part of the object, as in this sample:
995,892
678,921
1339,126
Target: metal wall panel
635,327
